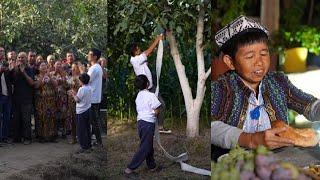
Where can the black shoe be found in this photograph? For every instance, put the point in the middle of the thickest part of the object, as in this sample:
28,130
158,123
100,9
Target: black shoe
80,151
5,140
41,140
97,144
156,169
132,175
16,141
53,141
27,142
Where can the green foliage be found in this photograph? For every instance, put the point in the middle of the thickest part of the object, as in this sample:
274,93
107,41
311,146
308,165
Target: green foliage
140,21
303,36
54,26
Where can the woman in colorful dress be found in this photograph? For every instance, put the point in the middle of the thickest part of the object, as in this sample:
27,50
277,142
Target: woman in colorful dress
45,105
74,84
61,77
51,60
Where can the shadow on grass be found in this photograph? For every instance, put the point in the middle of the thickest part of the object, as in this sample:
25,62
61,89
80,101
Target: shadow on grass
123,141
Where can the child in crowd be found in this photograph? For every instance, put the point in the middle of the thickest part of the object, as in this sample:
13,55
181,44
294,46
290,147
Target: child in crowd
147,105
83,108
248,99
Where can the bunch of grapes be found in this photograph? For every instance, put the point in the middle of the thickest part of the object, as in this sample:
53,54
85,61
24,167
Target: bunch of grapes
254,165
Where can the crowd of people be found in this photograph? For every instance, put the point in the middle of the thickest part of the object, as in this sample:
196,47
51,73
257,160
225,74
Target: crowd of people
47,90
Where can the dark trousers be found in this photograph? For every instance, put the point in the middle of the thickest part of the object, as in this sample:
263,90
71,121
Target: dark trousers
83,129
145,151
5,116
22,121
95,122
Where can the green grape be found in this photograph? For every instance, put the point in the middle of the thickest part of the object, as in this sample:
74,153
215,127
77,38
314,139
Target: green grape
262,150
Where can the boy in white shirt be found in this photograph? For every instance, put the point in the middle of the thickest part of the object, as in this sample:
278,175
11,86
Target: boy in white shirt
140,66
83,108
147,105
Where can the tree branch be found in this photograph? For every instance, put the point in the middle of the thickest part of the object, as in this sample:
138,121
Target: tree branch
199,51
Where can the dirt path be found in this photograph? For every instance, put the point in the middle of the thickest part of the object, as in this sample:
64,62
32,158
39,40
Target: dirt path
43,160
18,157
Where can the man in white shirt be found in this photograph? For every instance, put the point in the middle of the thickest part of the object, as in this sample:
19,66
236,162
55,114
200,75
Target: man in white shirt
140,66
95,83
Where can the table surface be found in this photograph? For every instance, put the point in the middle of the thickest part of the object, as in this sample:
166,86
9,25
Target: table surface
300,157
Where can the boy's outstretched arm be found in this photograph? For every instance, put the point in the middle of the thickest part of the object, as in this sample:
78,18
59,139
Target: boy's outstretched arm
227,136
153,45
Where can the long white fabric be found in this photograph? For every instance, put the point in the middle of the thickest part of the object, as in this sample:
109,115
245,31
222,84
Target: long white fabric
184,156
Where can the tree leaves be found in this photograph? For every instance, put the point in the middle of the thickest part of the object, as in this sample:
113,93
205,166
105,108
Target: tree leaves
54,26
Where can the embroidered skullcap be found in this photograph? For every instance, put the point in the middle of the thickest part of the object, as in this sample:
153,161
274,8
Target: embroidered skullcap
237,26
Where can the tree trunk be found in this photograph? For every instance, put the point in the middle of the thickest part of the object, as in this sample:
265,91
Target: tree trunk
270,13
310,12
193,106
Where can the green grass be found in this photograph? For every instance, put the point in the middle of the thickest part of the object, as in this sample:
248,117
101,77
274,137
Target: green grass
123,141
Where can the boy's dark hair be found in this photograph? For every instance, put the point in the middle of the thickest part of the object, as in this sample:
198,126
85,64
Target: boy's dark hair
84,78
133,49
96,52
141,82
246,37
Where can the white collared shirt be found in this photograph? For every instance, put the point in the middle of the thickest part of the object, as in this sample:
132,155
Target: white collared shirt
146,103
140,66
95,83
263,122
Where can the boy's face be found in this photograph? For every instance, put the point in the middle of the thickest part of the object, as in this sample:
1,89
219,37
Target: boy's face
251,62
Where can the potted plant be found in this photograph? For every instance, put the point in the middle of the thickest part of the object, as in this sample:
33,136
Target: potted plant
310,38
293,55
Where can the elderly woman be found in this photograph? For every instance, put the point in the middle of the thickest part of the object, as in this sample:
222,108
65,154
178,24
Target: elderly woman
61,77
45,105
51,60
74,85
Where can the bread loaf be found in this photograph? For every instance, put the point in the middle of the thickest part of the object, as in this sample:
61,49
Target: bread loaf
302,137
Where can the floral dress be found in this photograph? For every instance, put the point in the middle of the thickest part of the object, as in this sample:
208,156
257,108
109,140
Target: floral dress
45,106
74,84
61,99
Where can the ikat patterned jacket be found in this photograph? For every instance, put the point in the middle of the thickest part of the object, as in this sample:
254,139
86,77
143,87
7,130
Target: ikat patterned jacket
229,98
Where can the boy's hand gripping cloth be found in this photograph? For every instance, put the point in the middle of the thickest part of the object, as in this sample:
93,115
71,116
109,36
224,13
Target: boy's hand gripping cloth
184,156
